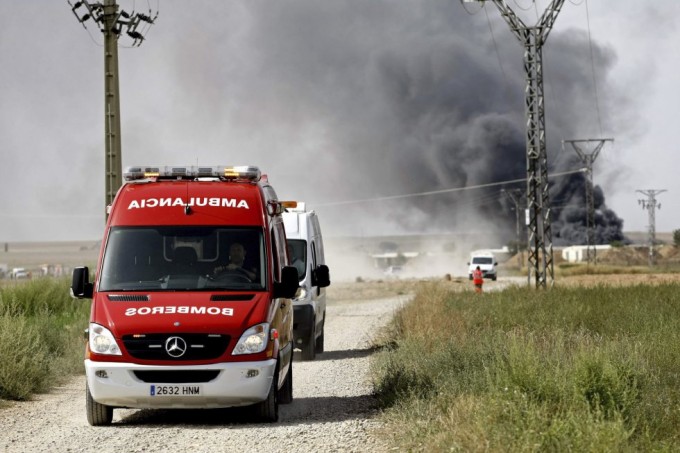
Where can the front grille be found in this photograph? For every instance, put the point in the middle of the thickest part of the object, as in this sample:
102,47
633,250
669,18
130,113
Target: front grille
176,377
231,297
187,346
128,297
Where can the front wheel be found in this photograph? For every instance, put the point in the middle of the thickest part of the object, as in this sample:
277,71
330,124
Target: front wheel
309,345
286,392
97,414
268,410
318,347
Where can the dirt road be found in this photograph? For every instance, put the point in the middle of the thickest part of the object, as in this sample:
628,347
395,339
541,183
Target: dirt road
333,409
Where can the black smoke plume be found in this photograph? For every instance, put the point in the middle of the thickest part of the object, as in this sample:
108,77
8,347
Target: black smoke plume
353,100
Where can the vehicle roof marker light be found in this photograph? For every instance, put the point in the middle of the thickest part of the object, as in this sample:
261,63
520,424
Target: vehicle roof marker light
249,173
221,172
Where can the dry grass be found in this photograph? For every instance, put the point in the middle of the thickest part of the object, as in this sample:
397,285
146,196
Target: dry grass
617,279
571,369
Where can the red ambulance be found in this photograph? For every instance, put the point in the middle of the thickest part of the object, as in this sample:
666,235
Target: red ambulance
191,299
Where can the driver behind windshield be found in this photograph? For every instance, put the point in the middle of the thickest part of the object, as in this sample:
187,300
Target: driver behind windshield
237,257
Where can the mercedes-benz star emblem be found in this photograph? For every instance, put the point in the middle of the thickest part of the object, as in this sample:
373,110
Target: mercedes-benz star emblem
175,346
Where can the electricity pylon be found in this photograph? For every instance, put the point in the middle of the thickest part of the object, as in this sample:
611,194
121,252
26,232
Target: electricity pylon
650,204
111,23
538,198
589,159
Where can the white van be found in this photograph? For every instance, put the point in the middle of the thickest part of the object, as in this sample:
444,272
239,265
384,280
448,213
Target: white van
305,247
487,264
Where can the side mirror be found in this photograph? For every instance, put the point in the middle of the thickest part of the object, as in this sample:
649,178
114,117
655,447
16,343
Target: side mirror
289,284
321,276
468,264
81,288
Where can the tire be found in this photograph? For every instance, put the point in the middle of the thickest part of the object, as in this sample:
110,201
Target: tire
286,391
470,277
268,410
493,278
309,345
318,347
97,414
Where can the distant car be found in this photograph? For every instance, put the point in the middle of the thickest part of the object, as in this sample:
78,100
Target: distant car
486,262
393,271
19,273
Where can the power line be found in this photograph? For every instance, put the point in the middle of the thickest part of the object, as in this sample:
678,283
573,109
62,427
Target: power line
462,2
592,66
436,192
495,46
527,8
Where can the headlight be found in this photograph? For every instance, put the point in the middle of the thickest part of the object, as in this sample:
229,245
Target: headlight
253,340
102,341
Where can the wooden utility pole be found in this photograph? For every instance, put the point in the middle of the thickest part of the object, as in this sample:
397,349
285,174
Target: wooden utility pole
113,165
112,22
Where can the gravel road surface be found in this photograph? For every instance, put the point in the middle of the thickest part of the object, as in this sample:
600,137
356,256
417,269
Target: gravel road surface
333,409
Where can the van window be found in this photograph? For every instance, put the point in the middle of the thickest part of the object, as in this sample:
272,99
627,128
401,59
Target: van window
314,265
298,256
185,258
279,252
482,260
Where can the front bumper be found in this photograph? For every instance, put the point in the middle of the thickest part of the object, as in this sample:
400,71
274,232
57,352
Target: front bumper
233,385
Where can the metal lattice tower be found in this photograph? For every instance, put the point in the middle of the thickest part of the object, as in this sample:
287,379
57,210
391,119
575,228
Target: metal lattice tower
515,195
588,160
651,205
112,22
540,260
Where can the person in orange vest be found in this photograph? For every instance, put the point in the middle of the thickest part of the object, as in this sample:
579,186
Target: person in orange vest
478,279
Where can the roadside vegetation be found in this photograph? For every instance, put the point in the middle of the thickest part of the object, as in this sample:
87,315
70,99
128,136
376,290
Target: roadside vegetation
569,269
568,369
41,336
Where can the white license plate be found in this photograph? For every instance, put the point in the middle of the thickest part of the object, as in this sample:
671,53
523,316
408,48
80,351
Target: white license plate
175,390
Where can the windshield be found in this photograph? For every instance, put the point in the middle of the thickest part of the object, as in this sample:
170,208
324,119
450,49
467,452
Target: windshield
186,258
482,260
297,251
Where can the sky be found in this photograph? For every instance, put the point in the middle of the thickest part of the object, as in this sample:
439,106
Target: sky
338,101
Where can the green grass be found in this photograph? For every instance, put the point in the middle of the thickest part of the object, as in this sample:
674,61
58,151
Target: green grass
40,336
585,369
